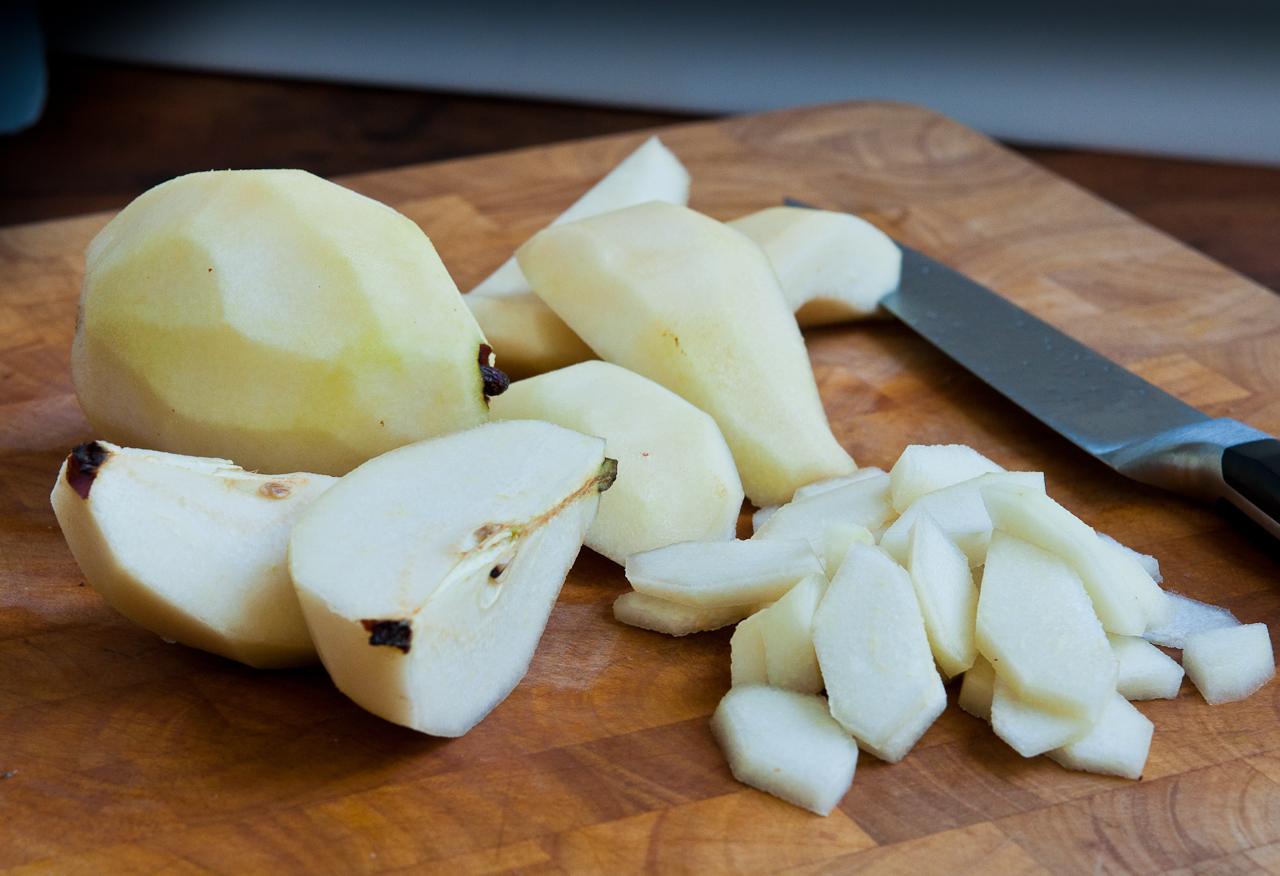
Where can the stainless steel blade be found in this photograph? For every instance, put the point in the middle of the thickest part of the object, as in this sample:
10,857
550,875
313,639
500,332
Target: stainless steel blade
1085,397
1107,411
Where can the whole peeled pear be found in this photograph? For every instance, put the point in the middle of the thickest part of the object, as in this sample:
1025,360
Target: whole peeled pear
273,318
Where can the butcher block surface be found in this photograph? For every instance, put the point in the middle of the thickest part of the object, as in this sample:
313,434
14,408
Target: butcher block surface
120,753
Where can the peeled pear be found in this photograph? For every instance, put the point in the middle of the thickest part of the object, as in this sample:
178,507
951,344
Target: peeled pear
427,577
276,319
529,337
193,549
692,304
832,266
676,477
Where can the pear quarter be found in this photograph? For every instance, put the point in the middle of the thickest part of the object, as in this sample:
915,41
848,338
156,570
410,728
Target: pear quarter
694,305
1037,627
193,549
676,477
467,539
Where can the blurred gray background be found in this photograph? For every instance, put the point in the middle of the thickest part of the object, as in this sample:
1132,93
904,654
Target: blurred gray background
1191,79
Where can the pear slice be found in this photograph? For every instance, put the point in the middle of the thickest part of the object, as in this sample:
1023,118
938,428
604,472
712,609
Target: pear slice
1124,596
192,548
822,486
787,630
874,654
676,477
832,266
1031,730
863,502
711,573
528,336
948,597
650,173
960,511
1037,628
923,468
673,618
747,662
428,574
692,304
1118,745
786,744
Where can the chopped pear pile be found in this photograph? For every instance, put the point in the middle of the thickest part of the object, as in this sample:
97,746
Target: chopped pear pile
946,567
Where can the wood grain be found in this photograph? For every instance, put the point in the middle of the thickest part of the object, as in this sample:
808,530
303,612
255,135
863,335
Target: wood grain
125,754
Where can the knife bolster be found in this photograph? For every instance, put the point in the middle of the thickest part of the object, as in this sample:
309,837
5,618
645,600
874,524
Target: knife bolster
1213,461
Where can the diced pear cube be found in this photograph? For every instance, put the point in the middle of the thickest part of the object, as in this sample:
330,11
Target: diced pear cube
864,502
1031,730
1189,616
948,598
786,744
1146,672
978,689
1113,581
1037,627
1229,664
960,511
704,574
673,618
1118,745
924,468
874,653
746,653
836,539
787,629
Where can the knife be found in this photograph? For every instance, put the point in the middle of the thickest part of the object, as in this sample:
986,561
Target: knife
1107,411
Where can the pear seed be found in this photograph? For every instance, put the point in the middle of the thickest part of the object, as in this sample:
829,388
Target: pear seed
275,490
395,633
83,465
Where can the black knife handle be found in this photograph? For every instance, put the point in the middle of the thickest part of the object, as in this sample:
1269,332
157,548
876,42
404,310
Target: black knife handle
1252,469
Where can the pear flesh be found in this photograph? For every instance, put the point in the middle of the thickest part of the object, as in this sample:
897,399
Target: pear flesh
695,306
704,574
676,477
274,318
528,336
1037,627
786,744
193,549
832,266
673,618
427,576
874,654
1229,664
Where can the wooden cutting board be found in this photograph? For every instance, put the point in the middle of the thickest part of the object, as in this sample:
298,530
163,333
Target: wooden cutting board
121,753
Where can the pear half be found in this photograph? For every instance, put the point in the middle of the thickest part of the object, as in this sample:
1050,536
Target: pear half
428,576
191,548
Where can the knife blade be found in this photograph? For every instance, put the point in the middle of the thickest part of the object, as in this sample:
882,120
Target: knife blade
1110,413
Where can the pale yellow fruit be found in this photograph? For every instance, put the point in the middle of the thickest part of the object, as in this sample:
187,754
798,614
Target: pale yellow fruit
676,478
273,318
694,305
